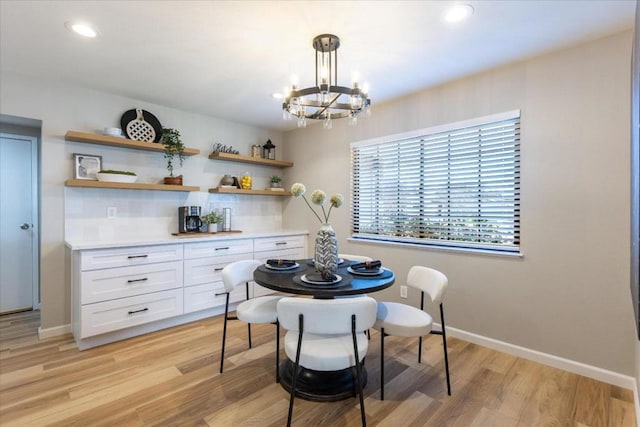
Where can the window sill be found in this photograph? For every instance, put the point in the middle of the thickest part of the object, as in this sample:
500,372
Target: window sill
470,251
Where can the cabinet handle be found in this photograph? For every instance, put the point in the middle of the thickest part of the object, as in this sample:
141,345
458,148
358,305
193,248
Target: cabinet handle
138,280
280,243
139,311
222,249
137,256
220,293
218,269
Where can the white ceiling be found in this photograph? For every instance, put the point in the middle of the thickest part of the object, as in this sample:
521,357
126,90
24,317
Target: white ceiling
226,58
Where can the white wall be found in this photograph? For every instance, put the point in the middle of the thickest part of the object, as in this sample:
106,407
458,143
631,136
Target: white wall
80,213
569,294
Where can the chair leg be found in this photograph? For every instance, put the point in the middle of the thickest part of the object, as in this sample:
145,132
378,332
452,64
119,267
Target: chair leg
358,372
248,324
382,364
444,345
420,338
224,331
277,351
295,371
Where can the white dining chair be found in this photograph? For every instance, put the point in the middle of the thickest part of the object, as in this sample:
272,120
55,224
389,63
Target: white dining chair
403,320
359,258
253,310
327,335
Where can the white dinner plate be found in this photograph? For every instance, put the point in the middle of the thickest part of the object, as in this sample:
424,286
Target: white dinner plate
365,272
304,278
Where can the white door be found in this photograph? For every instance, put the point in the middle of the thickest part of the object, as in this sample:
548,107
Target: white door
18,239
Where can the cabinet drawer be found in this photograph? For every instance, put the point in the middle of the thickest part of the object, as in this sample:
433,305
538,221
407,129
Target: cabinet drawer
218,248
123,257
204,270
109,316
294,253
277,243
121,282
208,295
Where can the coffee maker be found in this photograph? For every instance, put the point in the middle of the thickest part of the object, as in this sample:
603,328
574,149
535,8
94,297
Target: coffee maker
189,219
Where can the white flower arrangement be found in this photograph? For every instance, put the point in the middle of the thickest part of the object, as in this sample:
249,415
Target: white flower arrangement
318,197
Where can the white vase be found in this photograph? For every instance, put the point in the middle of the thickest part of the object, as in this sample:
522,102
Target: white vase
213,228
326,250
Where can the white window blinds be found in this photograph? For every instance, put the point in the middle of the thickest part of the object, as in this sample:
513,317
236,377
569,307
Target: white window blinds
457,185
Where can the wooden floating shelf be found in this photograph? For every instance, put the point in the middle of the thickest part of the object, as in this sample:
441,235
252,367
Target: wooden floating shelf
131,186
249,192
251,160
113,141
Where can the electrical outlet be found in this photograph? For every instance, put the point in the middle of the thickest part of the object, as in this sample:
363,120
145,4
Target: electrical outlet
403,291
112,212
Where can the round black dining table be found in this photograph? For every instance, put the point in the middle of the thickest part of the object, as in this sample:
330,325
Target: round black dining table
290,281
321,386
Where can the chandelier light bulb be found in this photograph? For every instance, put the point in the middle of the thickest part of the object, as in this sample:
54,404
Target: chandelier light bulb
327,124
355,78
324,75
458,13
82,29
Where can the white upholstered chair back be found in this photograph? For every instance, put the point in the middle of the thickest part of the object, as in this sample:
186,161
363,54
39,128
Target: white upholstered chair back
432,282
238,272
359,258
331,316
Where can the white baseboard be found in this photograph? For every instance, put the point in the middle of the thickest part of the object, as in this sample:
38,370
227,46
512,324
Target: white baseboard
609,377
53,332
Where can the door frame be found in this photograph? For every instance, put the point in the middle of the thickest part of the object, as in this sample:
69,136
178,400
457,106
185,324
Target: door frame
35,215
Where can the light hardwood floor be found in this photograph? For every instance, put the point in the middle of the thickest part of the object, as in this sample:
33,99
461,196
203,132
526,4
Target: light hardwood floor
171,378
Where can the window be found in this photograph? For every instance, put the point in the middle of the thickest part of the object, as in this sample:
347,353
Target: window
456,186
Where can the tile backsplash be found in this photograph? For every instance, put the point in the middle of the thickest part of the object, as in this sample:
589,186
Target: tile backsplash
154,214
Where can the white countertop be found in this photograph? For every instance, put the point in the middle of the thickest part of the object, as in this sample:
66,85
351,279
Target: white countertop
82,245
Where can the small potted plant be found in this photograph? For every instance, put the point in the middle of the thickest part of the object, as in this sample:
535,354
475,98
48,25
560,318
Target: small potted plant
212,219
173,146
276,181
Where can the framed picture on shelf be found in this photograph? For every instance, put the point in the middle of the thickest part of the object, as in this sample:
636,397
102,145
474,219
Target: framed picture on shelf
87,166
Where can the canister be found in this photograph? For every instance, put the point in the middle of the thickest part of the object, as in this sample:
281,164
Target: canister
226,219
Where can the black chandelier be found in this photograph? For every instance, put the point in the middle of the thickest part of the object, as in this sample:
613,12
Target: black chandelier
326,100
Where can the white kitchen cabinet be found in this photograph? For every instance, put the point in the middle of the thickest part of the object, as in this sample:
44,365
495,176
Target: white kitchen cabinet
117,288
218,248
203,287
124,257
121,282
209,295
271,244
123,291
286,247
122,313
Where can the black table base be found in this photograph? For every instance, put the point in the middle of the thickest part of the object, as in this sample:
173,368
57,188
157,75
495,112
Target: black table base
321,386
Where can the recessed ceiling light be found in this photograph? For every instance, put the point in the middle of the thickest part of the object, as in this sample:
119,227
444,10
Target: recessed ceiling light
458,13
81,29
277,95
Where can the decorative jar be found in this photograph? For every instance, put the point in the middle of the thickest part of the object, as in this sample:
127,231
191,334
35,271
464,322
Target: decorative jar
326,250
